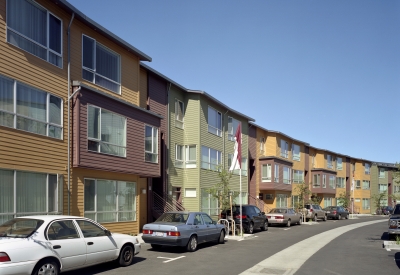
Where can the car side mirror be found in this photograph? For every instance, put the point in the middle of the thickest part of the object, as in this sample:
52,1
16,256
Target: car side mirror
214,222
107,232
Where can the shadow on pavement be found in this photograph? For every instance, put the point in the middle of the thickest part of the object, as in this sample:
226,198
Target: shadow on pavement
177,249
397,259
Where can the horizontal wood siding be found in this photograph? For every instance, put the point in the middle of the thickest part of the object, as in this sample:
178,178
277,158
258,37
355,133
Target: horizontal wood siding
143,89
136,120
271,145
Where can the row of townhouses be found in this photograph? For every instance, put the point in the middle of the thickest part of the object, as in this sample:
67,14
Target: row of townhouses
88,128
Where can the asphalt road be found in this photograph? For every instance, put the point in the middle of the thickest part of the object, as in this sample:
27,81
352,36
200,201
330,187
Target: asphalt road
358,251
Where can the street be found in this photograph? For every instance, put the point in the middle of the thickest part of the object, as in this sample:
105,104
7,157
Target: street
356,251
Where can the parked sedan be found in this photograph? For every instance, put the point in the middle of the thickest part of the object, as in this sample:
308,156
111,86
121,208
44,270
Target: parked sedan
186,229
336,212
53,244
285,216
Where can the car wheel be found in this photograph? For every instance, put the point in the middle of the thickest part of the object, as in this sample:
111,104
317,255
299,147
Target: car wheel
192,244
288,223
300,221
325,218
156,246
265,226
347,217
250,230
221,238
126,255
340,217
315,218
46,266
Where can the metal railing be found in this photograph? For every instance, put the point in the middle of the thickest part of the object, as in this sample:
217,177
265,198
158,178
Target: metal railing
161,205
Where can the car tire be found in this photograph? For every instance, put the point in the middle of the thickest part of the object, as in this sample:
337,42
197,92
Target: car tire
250,230
126,255
265,226
340,217
300,221
192,244
288,223
347,217
221,238
47,266
156,246
325,218
315,218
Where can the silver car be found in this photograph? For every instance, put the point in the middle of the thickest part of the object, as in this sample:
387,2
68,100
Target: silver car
186,229
284,216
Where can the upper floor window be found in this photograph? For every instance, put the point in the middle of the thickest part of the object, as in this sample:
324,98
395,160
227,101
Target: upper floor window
382,188
35,30
317,180
179,113
323,181
366,184
106,132
243,165
340,182
332,183
211,159
100,65
232,127
396,189
151,144
339,163
295,152
358,184
298,176
214,122
329,164
29,109
262,145
266,173
287,175
185,156
284,149
382,172
367,170
276,173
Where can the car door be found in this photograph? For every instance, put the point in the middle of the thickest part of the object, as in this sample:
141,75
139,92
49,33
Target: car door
258,217
212,231
66,243
293,216
99,246
200,228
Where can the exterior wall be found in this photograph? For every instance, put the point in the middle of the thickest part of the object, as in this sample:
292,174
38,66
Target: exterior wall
254,151
143,88
271,145
360,194
134,162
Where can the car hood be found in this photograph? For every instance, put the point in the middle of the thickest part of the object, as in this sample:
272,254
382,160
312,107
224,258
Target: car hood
396,216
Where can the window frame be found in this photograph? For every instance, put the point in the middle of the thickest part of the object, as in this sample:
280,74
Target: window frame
367,168
382,175
295,156
262,145
329,161
232,127
317,180
179,163
154,144
190,192
266,178
366,203
286,170
276,172
339,167
340,182
179,123
47,46
214,128
298,172
332,181
209,164
366,185
284,149
323,181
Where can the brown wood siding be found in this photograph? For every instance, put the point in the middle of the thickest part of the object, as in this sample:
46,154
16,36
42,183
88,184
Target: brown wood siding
143,89
275,185
136,120
321,190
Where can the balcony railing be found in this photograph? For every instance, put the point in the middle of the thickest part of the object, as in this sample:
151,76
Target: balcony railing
161,205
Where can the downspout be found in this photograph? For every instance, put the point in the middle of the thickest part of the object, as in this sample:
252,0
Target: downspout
69,112
223,138
168,140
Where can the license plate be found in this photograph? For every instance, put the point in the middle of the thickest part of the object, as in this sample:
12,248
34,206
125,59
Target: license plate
328,212
159,234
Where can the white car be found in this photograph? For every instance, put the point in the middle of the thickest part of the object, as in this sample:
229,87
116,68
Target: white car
52,244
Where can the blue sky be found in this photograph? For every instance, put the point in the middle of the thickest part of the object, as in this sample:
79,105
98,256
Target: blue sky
323,72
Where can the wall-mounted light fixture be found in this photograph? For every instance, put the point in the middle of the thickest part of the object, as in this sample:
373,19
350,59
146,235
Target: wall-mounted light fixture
143,190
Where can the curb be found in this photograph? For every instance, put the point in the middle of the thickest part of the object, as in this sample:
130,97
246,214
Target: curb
391,245
238,238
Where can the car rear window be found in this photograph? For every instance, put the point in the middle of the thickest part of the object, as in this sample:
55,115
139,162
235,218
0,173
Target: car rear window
19,227
308,206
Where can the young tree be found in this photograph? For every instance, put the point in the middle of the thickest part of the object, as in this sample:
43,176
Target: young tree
221,190
344,200
303,191
377,198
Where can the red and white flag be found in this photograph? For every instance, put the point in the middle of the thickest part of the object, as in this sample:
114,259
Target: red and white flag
237,155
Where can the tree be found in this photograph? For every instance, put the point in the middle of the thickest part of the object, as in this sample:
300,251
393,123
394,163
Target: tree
377,198
344,200
396,174
221,190
303,191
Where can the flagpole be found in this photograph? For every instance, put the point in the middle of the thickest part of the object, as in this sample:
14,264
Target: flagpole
240,202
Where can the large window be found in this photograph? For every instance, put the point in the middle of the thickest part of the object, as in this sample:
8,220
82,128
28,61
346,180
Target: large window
266,173
110,200
29,109
29,193
276,173
323,181
211,159
295,152
179,155
366,184
298,176
317,180
329,164
327,201
366,204
340,182
185,156
179,113
243,165
339,163
287,175
214,122
100,65
284,149
151,144
209,204
281,200
366,167
35,30
232,127
381,173
332,183
382,188
106,132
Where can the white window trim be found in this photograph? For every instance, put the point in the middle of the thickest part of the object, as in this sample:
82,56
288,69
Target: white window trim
190,193
231,135
341,164
218,131
323,181
284,151
266,178
276,173
297,158
179,163
152,143
179,123
219,160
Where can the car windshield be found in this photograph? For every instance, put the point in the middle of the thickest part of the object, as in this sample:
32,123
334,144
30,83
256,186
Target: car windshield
19,228
276,210
397,210
173,217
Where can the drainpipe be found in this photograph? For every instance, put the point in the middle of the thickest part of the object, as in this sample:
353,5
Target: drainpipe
166,157
69,97
223,138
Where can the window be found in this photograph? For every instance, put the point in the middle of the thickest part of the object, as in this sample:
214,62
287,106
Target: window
244,166
151,144
339,163
284,149
357,200
90,230
329,164
232,127
365,204
179,156
106,132
327,202
298,176
190,193
262,145
179,113
323,181
332,183
62,230
281,200
26,108
190,156
317,180
110,200
34,29
214,122
366,185
230,158
266,173
381,172
358,184
366,166
296,152
382,188
276,173
28,193
100,65
286,175
209,204
340,182
211,159
396,189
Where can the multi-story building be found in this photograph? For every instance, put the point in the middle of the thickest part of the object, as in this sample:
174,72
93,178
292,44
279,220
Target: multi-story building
382,181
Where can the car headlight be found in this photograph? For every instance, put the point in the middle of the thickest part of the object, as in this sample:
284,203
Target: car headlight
393,222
